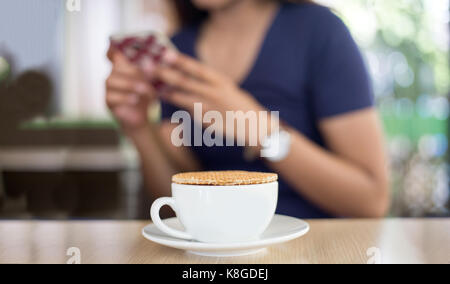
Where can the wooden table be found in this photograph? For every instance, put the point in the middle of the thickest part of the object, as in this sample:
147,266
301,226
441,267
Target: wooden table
329,241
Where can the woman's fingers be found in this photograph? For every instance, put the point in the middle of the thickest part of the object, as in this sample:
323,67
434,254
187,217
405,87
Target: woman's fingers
115,99
196,69
128,70
118,82
183,82
110,53
118,58
123,66
182,100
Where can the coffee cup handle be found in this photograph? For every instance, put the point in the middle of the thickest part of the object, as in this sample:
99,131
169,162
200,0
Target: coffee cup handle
154,212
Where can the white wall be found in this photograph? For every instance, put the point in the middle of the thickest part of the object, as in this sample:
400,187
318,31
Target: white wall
85,64
31,33
86,43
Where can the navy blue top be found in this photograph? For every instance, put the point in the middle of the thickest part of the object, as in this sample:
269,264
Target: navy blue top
309,68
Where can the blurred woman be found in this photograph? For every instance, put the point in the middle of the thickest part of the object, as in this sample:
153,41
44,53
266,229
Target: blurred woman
256,55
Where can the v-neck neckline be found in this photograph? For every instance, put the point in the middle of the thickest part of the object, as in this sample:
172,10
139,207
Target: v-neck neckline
261,50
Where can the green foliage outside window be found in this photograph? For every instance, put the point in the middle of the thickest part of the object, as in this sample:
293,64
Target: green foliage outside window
406,46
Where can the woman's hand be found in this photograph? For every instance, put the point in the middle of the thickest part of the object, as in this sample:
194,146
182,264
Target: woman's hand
128,94
194,82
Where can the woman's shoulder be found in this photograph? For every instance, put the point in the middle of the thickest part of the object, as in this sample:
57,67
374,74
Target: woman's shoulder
309,11
313,16
320,24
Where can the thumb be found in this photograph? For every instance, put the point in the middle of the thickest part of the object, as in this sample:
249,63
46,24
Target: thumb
116,56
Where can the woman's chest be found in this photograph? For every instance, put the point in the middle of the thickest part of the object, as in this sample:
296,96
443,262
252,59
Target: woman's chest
232,56
279,81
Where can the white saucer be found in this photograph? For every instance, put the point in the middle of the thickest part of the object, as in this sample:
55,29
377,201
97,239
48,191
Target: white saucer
281,229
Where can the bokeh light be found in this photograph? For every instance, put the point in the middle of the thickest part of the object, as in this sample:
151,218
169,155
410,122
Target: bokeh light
406,47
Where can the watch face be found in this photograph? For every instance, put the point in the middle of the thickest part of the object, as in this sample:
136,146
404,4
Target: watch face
277,146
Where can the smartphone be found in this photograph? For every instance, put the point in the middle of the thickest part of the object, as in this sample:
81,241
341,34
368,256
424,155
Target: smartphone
144,50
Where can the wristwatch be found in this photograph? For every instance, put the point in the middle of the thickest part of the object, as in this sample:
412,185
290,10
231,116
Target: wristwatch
276,147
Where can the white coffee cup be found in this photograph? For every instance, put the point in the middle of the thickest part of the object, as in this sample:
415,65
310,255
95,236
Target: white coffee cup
219,214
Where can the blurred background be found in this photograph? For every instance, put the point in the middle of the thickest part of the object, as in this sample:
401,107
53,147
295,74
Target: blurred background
61,155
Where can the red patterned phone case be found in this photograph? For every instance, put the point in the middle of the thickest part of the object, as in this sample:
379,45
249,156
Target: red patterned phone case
146,50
